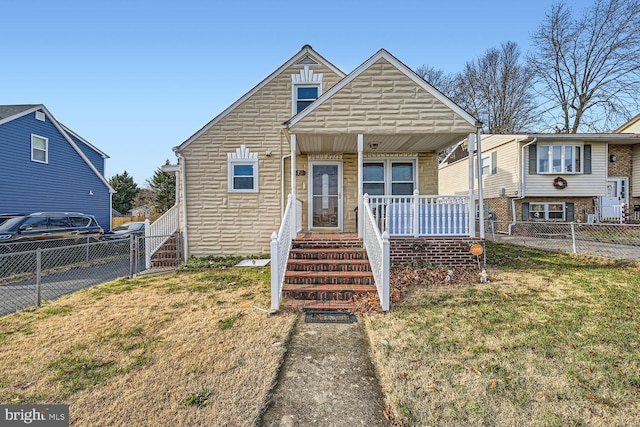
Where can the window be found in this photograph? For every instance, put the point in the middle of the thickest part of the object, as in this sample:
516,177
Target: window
486,165
242,171
560,159
389,177
304,96
39,149
546,211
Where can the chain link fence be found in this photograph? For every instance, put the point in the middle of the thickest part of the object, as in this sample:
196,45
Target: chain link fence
615,241
32,272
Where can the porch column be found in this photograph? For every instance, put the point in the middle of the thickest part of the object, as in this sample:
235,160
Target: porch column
480,186
294,198
472,197
360,214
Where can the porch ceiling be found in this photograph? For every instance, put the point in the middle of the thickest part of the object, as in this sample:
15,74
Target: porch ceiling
396,143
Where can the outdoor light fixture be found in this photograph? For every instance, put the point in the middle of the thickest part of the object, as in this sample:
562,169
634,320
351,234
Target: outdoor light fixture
613,158
373,146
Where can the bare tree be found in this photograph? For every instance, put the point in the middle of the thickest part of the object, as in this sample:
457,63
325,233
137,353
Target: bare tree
496,88
589,66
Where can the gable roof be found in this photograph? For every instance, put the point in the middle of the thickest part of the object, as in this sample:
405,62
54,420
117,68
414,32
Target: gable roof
382,54
85,142
633,121
306,50
13,112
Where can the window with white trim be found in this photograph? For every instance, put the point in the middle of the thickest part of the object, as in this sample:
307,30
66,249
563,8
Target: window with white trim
304,96
560,159
547,211
394,177
39,149
486,165
242,169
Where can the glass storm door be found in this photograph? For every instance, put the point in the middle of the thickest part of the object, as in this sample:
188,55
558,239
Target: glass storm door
326,195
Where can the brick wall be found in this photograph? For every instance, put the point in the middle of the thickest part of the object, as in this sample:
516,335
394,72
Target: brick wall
437,252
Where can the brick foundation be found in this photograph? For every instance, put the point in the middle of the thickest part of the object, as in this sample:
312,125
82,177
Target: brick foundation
437,252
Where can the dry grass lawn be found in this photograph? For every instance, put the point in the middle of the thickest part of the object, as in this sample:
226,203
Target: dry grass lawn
552,340
181,350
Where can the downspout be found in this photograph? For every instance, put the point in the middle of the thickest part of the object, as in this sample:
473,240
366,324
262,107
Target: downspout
522,184
183,181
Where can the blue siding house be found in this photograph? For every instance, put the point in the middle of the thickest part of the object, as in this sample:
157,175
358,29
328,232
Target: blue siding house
45,167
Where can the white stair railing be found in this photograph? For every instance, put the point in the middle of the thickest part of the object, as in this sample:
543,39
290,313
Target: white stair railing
281,246
158,232
378,252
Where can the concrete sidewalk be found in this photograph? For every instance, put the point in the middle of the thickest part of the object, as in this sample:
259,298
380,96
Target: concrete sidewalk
327,379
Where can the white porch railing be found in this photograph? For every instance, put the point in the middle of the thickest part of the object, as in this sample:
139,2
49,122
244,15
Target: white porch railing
280,247
159,232
421,216
377,246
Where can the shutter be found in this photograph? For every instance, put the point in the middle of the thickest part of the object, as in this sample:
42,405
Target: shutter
570,212
525,211
533,160
494,162
587,159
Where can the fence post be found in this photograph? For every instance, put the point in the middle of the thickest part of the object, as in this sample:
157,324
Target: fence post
275,274
38,275
384,298
573,237
147,252
131,256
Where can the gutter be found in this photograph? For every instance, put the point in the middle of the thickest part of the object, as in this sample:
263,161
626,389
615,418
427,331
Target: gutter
183,182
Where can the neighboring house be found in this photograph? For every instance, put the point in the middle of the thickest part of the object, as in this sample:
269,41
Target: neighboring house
44,166
551,177
324,137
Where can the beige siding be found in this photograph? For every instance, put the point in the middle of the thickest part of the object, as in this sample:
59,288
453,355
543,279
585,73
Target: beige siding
401,107
224,223
454,178
578,185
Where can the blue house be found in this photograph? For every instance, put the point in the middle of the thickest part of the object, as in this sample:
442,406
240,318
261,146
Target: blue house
46,167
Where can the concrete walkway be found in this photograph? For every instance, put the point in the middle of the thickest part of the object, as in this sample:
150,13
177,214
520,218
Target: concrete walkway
327,379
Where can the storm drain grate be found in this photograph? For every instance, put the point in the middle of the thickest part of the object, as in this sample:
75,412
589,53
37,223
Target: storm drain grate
329,317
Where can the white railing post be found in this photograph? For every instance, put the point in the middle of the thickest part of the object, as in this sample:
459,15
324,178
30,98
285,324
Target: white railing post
275,274
293,215
386,252
147,245
416,213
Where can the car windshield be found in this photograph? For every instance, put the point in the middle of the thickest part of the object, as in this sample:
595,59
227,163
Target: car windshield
10,224
130,226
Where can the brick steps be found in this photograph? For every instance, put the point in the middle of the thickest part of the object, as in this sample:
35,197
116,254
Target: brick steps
325,272
168,255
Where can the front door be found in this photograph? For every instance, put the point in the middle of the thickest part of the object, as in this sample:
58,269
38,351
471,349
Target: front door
616,195
325,188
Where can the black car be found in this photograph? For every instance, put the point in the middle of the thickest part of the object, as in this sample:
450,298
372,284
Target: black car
49,225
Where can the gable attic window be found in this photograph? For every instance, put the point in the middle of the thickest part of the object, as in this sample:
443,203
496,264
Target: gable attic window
40,116
242,167
306,87
39,149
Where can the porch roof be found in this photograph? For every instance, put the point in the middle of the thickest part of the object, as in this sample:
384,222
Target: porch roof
394,108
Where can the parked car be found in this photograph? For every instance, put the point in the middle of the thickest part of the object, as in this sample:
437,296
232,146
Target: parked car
49,225
123,231
7,216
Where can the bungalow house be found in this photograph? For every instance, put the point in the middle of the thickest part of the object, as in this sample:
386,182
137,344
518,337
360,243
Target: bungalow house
552,177
317,155
45,166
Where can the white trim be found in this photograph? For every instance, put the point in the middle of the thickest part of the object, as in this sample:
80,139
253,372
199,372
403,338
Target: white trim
242,157
549,148
383,54
340,218
305,51
87,143
46,149
388,168
546,211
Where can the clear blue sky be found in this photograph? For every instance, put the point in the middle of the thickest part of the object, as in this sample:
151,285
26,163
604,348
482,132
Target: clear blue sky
138,77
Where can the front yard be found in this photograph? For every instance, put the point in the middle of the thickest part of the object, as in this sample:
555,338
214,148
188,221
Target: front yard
552,339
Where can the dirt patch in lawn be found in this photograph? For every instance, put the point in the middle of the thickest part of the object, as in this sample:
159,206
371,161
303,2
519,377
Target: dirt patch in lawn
186,349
